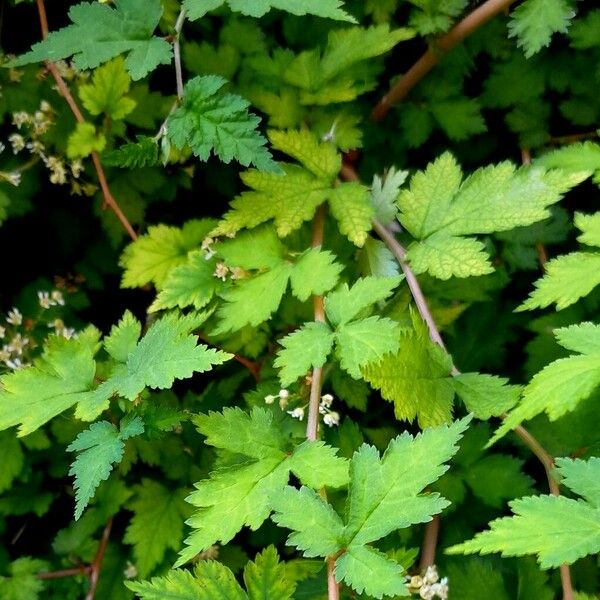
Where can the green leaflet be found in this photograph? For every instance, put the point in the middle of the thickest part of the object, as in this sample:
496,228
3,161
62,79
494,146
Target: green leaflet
293,199
143,153
385,494
328,9
557,529
99,447
242,494
534,22
563,384
358,341
22,582
211,121
439,208
265,578
99,33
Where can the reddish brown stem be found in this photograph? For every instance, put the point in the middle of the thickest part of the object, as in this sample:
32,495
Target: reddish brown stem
333,589
109,199
430,539
96,566
574,137
82,570
433,55
252,366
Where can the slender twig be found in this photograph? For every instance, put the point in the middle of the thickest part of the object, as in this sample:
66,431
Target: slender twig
574,137
82,570
430,539
177,53
312,421
96,566
433,55
545,458
109,199
252,366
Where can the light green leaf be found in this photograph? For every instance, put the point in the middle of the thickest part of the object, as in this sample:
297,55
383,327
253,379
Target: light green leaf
349,204
486,395
153,255
99,33
590,227
303,349
123,337
315,273
84,140
364,342
107,94
156,525
582,477
136,155
329,9
384,193
100,447
265,578
344,304
22,582
259,248
211,121
320,158
317,465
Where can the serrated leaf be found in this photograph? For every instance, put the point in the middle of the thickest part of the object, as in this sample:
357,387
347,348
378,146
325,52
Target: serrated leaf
534,22
320,158
439,207
156,525
345,303
136,155
265,578
123,337
329,9
211,121
384,193
317,465
590,228
349,204
188,284
267,251
85,140
365,342
563,384
99,33
153,255
314,273
22,582
303,349
568,278
12,459
61,378
107,94
167,352
99,447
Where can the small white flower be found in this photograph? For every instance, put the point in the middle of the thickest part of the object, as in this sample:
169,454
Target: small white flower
327,400
67,332
76,168
426,593
269,399
17,344
221,271
17,141
5,354
45,106
416,581
14,364
2,147
284,394
2,331
20,118
431,575
283,402
331,419
130,571
14,178
57,297
297,413
57,325
14,317
44,300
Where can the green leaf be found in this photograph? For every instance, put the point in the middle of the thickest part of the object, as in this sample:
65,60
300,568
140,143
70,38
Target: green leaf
349,204
265,578
157,523
242,494
153,255
328,9
385,494
365,342
486,395
289,201
61,378
563,384
84,140
143,153
306,348
568,278
580,156
259,248
534,22
590,227
314,273
320,158
99,33
123,337
12,461
188,284
439,207
99,447
22,582
581,476
167,352
368,569
557,529
211,121
344,304
384,193
211,580
416,379
107,94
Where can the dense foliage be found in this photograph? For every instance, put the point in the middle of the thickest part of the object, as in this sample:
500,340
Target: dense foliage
294,311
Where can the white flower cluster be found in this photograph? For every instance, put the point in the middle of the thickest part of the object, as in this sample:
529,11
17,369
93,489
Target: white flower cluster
12,352
283,396
48,299
429,586
331,418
